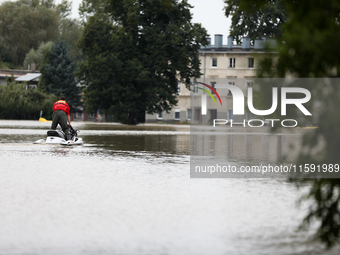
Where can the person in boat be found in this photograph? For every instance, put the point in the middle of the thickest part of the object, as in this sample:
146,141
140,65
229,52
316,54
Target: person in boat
61,115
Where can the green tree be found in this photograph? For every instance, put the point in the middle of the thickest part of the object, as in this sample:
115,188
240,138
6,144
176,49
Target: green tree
37,56
309,49
24,25
89,8
3,65
70,32
70,29
255,22
58,75
136,55
17,102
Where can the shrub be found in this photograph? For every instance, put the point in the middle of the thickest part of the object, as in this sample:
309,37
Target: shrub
19,102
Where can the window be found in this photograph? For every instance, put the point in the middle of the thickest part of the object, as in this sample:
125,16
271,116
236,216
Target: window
213,115
179,89
160,115
232,62
195,88
249,85
213,85
91,116
250,116
231,115
214,62
177,114
230,83
250,62
189,114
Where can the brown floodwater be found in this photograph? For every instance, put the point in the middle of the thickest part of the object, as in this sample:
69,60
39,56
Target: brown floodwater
128,190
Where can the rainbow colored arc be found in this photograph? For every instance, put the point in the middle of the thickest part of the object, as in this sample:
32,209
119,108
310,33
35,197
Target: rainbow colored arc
218,96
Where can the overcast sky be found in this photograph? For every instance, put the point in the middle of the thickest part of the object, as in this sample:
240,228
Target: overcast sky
211,15
207,12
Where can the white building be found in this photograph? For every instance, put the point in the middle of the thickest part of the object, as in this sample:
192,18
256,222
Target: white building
220,64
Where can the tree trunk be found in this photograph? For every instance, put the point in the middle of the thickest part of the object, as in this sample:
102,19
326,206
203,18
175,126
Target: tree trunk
132,119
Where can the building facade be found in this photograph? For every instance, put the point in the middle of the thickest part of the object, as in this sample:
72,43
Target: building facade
229,64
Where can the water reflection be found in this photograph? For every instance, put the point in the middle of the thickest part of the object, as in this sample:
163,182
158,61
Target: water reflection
171,144
238,147
111,137
236,144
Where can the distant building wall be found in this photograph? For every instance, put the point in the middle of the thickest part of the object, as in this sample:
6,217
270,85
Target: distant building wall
220,64
15,73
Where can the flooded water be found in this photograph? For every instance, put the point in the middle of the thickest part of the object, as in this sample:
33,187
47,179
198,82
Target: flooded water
128,190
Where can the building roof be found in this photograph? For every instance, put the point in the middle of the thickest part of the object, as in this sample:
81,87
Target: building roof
261,45
28,77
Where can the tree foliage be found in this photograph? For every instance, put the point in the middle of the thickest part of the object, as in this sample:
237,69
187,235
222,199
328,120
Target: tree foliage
70,32
89,8
25,24
37,56
3,65
17,102
255,22
309,49
137,52
58,75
